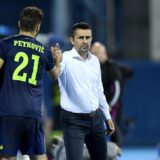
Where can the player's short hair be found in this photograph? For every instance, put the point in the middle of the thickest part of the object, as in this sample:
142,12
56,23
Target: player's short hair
30,17
79,25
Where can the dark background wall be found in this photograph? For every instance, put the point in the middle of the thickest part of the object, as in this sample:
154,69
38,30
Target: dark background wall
142,103
126,22
136,29
10,9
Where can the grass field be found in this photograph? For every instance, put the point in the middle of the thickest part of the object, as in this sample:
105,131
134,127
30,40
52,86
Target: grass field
56,133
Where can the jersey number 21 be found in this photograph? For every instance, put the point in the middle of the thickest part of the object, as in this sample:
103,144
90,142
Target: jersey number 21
16,76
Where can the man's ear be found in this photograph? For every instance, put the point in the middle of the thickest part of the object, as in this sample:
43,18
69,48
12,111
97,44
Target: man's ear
19,24
71,40
38,28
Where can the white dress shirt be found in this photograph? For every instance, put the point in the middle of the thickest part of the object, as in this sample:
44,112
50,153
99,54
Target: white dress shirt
80,84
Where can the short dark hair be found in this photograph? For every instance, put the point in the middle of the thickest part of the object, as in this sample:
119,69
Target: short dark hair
79,25
30,17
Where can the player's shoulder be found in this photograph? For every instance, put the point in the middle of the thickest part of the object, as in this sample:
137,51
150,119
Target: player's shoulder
33,42
6,39
5,42
47,49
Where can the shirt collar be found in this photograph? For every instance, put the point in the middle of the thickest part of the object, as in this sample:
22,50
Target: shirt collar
75,54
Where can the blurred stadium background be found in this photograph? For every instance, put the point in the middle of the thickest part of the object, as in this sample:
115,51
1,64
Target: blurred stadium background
130,30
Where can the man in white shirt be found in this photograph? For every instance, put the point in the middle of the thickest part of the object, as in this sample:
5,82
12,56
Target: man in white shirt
84,106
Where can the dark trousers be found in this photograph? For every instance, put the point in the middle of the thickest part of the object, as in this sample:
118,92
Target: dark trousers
79,129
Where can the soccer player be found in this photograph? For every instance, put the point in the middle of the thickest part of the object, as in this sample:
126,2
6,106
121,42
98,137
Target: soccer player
23,60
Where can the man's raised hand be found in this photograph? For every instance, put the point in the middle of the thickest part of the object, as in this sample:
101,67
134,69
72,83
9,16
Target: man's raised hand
57,54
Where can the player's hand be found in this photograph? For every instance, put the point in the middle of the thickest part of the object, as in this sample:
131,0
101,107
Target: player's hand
57,54
110,127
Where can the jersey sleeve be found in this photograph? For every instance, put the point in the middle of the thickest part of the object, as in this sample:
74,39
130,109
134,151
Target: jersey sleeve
49,60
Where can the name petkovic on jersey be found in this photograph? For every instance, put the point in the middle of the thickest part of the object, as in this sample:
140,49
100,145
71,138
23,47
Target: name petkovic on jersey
28,45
